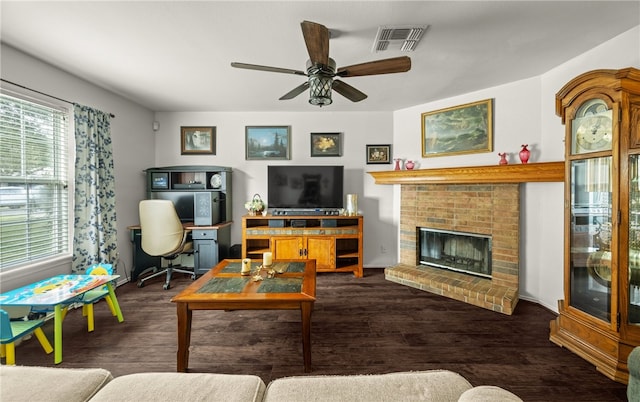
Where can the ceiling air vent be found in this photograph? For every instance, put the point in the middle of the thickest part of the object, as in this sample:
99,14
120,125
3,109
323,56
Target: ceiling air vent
404,38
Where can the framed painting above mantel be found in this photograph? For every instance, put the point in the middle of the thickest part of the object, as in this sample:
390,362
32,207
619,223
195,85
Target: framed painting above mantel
463,129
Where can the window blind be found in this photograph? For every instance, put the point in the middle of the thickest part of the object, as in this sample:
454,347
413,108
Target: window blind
34,171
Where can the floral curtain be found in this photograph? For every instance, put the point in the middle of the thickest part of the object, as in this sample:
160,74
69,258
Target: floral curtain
94,238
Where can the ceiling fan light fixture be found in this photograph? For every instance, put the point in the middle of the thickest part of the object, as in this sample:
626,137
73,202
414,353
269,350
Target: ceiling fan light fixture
321,69
320,89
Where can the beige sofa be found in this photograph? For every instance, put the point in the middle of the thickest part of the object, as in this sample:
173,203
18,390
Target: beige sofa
21,383
633,363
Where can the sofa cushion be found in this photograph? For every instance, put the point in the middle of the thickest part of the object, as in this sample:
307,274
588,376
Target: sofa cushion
633,364
488,393
182,387
21,383
433,385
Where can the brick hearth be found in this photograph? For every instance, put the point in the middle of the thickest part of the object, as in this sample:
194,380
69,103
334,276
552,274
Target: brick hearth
490,209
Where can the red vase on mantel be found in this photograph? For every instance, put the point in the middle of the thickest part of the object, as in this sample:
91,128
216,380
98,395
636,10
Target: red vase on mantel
503,158
410,165
524,154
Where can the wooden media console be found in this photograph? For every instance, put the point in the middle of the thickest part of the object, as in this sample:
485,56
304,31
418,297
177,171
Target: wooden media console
335,242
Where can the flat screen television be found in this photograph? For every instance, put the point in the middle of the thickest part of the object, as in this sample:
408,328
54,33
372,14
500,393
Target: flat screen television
304,186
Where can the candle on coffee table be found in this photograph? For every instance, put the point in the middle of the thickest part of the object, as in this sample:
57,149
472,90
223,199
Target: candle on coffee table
246,266
267,259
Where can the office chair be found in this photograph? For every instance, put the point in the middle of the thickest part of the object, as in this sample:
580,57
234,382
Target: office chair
93,296
11,331
163,235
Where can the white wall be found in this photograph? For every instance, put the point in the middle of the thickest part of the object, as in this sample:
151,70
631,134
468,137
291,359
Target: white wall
250,177
133,145
524,113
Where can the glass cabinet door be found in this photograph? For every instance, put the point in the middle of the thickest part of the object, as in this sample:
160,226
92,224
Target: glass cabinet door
590,271
634,239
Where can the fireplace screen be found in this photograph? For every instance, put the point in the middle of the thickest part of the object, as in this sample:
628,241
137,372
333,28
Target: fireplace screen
464,252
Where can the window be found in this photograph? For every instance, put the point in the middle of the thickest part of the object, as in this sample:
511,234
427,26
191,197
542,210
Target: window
34,171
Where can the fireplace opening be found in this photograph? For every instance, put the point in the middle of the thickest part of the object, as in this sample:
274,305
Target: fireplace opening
469,253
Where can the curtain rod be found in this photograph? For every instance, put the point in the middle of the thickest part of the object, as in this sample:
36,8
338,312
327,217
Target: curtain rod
42,93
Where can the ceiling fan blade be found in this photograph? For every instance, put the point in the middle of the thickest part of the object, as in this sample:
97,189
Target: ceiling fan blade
385,66
348,91
267,68
316,37
296,91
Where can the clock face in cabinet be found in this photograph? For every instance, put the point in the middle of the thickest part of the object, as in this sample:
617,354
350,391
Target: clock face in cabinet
594,133
216,180
592,128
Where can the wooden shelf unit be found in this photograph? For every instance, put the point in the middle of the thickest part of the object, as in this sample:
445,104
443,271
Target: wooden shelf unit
335,242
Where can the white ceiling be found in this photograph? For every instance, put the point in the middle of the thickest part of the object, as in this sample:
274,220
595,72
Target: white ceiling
176,55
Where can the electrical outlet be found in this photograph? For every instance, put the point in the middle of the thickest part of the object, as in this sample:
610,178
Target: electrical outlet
383,249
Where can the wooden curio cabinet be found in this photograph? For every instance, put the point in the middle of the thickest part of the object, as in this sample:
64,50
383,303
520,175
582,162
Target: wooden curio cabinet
599,317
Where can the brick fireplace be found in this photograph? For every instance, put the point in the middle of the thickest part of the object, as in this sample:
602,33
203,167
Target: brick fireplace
483,200
476,208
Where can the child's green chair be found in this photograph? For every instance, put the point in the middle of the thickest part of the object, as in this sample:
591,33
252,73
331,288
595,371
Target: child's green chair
95,295
11,331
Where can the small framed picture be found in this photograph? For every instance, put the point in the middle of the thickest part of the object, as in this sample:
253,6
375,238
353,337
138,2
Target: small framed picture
326,144
378,154
197,140
268,142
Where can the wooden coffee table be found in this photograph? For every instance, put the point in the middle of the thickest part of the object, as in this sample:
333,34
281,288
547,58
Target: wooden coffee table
224,288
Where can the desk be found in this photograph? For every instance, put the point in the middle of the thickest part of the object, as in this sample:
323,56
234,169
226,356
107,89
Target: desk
58,292
211,245
224,288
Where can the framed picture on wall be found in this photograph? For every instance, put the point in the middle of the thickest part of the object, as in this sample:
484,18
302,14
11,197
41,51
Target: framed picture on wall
197,140
463,129
326,144
268,142
378,154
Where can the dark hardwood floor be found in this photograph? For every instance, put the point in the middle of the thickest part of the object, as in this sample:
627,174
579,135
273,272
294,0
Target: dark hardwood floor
360,326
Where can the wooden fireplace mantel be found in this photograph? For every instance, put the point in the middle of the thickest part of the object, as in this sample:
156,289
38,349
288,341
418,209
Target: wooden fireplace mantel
516,173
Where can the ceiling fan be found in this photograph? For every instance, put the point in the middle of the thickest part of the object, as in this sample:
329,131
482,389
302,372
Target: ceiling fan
321,69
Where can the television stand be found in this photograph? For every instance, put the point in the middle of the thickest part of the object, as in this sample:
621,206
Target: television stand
335,242
306,212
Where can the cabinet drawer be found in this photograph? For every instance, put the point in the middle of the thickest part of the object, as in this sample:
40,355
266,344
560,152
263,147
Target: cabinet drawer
199,234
